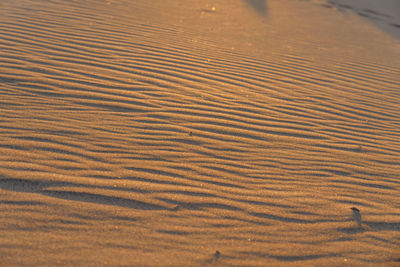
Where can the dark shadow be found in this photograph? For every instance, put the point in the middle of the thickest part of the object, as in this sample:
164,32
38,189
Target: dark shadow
198,206
260,6
290,258
351,230
384,226
40,187
372,226
385,21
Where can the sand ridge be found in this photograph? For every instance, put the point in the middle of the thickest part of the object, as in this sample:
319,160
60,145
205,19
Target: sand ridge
385,13
156,133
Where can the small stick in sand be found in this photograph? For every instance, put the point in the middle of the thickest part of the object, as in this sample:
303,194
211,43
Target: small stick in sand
216,255
357,216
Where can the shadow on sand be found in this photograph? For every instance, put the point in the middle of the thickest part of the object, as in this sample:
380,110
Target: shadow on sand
258,5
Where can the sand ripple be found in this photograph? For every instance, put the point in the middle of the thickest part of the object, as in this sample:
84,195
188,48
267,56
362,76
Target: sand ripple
130,137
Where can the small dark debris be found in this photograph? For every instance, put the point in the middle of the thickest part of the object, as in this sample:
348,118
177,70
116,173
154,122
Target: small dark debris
176,208
355,209
359,148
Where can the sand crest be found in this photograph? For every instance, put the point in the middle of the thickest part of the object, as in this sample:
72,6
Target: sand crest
185,133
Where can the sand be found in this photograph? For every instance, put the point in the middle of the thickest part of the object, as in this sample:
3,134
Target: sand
195,133
383,13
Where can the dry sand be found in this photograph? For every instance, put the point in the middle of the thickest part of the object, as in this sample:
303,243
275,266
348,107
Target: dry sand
155,133
384,13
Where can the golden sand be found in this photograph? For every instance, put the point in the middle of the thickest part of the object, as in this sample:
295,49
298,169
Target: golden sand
192,133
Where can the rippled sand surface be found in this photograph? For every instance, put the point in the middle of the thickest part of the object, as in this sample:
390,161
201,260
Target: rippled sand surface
156,133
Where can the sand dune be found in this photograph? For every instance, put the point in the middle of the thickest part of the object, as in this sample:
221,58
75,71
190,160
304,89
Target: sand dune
385,13
155,133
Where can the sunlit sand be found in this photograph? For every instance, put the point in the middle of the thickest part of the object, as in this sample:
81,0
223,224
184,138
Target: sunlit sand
195,133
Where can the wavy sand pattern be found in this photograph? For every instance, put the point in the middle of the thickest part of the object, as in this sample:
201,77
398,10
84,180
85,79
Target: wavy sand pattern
155,133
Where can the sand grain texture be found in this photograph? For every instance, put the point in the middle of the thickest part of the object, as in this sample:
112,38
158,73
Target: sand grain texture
155,133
